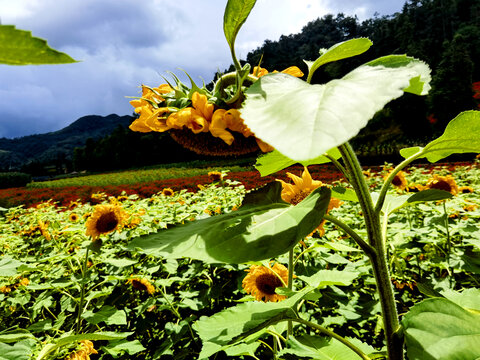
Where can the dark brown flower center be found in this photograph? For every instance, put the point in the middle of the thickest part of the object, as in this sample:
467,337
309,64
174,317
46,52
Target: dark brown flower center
397,181
138,285
107,222
299,197
441,185
267,283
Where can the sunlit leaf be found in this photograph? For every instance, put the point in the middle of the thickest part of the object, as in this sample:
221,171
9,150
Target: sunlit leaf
236,13
19,47
339,51
108,314
235,323
342,193
429,195
468,298
440,329
303,121
462,135
274,161
8,266
264,227
324,278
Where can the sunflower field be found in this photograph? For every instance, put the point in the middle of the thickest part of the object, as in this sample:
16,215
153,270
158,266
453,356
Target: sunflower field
137,306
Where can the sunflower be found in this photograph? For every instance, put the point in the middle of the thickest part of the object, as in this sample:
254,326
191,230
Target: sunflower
168,192
465,189
399,181
215,175
142,284
414,187
301,187
43,230
86,349
73,217
105,219
5,289
261,282
446,183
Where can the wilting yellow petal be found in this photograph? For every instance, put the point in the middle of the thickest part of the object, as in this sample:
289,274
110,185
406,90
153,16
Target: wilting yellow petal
201,104
294,71
156,122
259,71
219,125
264,147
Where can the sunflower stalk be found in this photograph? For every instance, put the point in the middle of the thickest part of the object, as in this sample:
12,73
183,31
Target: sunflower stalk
82,292
378,258
290,287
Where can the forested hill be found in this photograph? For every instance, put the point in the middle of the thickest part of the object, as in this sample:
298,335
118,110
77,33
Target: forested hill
443,33
58,145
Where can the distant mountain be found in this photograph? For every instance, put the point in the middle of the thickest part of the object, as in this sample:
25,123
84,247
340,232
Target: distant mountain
49,146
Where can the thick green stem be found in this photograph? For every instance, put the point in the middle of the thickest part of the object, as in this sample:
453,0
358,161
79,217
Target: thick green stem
82,292
290,287
378,258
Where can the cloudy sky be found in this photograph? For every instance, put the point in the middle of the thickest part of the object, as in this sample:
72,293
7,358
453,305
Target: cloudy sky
124,43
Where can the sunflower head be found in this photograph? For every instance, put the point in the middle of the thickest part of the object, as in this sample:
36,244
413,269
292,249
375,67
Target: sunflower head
84,352
261,282
73,217
142,285
168,192
465,189
399,181
446,183
105,219
301,187
215,175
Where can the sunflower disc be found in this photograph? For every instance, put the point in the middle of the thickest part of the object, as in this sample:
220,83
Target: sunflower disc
206,144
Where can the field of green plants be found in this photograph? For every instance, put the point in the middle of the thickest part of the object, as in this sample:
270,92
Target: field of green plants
139,306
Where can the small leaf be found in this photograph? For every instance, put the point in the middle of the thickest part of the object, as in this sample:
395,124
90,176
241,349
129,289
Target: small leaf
440,329
274,161
19,47
429,195
108,314
303,121
263,228
462,135
339,51
236,13
8,266
342,193
324,278
410,151
120,263
118,347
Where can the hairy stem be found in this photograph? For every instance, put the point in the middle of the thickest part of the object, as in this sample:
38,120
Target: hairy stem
378,258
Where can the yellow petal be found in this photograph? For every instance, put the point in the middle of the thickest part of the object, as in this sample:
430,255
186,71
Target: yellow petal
200,103
219,125
294,71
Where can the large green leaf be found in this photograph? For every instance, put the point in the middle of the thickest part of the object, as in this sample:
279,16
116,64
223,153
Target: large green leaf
274,161
337,52
108,314
19,47
462,135
263,227
236,13
468,298
21,350
235,323
438,329
303,121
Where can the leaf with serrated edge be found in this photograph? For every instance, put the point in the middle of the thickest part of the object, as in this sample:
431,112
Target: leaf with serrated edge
19,47
303,121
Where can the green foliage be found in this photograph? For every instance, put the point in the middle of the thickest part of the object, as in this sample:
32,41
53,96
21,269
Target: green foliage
285,111
440,329
274,161
14,179
244,235
19,47
337,52
236,13
461,136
